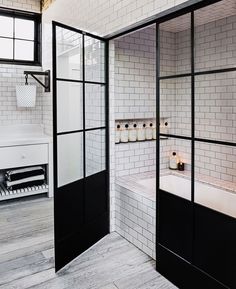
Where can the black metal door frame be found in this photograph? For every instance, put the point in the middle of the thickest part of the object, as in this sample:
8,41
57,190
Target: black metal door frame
105,225
194,277
181,273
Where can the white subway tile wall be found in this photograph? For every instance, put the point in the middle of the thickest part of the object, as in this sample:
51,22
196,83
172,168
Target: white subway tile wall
135,219
27,5
133,158
99,17
103,17
215,114
135,75
12,75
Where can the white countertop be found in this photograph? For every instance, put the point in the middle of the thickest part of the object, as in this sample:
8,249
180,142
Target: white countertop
26,134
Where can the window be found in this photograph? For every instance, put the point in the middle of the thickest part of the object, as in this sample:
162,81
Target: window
20,37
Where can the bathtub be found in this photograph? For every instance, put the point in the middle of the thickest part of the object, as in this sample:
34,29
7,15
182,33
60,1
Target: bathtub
205,194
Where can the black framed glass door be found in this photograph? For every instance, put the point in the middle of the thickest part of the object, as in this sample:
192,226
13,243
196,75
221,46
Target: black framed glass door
196,215
80,113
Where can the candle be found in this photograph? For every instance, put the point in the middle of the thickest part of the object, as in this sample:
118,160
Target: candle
181,166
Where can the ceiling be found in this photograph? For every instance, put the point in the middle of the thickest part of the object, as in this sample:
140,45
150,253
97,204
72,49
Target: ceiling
219,10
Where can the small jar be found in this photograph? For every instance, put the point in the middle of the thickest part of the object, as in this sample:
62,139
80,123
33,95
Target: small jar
117,135
133,133
141,133
124,134
148,132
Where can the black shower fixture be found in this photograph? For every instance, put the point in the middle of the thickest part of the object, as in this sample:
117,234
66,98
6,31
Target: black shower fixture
46,73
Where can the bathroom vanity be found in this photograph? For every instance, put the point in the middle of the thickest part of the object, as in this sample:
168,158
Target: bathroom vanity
25,146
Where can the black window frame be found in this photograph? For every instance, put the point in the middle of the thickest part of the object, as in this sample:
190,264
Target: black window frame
37,18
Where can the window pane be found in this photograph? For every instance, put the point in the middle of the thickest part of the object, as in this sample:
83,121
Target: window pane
215,177
69,54
215,106
6,26
24,29
6,48
94,59
24,50
175,46
70,158
69,106
94,105
175,106
95,152
215,42
172,179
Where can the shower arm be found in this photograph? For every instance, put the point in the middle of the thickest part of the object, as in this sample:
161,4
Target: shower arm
46,73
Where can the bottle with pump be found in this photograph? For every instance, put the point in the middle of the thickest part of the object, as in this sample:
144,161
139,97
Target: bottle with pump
117,136
173,161
141,132
133,133
124,135
148,132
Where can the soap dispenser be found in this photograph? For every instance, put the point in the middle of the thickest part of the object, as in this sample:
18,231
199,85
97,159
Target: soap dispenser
117,137
133,133
124,135
148,132
173,161
141,132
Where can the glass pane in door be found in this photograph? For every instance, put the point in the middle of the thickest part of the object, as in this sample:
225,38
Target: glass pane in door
175,167
175,46
175,106
94,105
94,59
69,54
215,177
215,106
95,151
69,106
215,31
70,158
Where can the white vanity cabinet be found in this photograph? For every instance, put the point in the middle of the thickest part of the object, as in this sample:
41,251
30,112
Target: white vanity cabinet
25,146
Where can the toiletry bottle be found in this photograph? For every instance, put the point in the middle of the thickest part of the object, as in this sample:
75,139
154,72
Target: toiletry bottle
148,132
133,133
124,135
173,161
165,127
117,137
141,132
154,132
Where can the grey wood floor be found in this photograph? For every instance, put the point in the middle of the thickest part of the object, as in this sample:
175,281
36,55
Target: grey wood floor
26,256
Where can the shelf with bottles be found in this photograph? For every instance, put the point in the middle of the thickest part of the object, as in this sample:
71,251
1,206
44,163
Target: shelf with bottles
137,130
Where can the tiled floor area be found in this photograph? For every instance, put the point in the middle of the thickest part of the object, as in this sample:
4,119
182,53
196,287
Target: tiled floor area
26,256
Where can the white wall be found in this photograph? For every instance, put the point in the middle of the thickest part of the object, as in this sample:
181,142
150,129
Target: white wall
215,105
105,16
99,17
135,62
27,5
12,75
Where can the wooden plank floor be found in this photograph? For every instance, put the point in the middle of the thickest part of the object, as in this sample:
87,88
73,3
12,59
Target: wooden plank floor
26,256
